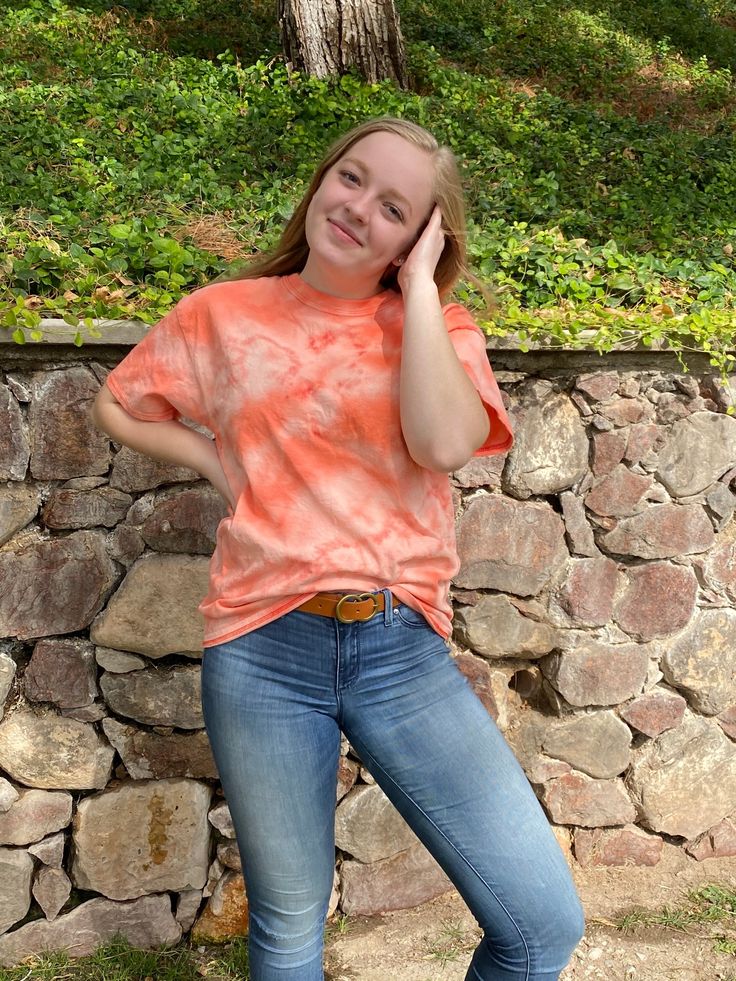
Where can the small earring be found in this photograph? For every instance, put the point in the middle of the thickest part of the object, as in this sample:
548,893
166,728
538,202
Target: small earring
399,261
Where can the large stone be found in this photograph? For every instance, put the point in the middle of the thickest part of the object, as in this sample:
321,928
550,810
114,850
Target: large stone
662,531
54,587
226,914
68,508
134,472
51,889
598,744
617,846
7,674
683,781
643,441
41,749
659,600
508,545
62,671
151,755
588,592
64,440
144,923
590,672
156,696
578,533
495,628
405,880
15,449
618,493
575,798
701,663
368,826
16,871
624,412
34,815
698,451
654,712
154,611
142,837
550,451
185,521
18,506
717,842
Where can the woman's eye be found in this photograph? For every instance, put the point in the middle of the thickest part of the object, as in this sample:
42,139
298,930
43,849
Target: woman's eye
348,175
394,212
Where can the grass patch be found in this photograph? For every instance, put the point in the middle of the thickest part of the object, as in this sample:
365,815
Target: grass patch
118,961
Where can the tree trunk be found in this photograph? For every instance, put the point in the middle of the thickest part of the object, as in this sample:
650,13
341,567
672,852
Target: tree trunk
328,37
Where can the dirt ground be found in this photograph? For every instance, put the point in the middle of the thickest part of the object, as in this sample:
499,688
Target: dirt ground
434,941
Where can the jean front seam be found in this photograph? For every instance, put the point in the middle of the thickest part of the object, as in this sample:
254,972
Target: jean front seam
463,859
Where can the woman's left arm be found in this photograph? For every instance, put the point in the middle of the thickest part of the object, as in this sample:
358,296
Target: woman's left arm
442,417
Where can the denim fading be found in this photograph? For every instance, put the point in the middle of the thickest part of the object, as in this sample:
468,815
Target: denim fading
275,701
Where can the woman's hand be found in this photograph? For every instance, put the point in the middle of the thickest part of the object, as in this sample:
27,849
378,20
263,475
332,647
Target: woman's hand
421,262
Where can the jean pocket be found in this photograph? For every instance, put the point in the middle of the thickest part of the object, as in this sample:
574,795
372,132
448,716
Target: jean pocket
410,617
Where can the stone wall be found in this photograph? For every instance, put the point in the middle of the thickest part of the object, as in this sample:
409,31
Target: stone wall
594,617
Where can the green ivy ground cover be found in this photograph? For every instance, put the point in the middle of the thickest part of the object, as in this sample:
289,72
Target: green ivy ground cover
145,146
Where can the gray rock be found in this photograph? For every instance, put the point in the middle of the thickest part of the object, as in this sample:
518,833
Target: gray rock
509,545
550,451
51,889
496,629
185,520
42,749
700,662
408,879
662,531
368,826
578,533
575,798
69,508
683,781
699,450
62,671
219,817
34,815
149,754
598,744
593,673
187,907
145,923
14,446
8,794
64,440
50,851
16,871
7,674
164,697
133,472
588,592
54,587
142,837
154,612
118,662
18,506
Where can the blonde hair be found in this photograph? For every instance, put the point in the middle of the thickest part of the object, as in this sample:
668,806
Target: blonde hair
290,254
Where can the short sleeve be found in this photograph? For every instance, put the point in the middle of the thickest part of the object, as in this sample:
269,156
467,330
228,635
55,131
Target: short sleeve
158,380
470,346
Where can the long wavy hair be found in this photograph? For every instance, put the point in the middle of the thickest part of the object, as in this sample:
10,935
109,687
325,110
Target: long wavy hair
290,254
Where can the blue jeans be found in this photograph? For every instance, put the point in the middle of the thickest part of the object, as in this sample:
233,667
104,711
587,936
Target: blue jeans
275,701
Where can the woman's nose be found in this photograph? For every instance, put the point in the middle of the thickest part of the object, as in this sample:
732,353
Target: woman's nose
357,207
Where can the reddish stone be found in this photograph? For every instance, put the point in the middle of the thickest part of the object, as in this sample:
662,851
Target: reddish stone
662,531
347,774
624,412
402,881
478,673
618,493
654,711
617,846
718,842
727,721
660,600
588,594
599,385
62,671
509,545
608,451
64,440
71,508
577,799
226,914
720,566
185,521
644,438
578,533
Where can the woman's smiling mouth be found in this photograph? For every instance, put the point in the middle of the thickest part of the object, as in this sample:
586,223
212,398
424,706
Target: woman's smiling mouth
343,232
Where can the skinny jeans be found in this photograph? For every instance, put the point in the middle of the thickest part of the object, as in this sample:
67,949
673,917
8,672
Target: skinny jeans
275,701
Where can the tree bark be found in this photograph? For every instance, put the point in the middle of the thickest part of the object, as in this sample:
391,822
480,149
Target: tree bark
328,37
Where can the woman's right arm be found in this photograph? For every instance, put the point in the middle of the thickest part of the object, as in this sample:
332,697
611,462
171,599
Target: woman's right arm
169,442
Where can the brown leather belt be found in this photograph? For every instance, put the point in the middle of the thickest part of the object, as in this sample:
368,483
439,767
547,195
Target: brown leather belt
347,607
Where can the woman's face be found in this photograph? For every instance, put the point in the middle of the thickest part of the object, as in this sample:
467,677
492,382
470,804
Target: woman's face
367,213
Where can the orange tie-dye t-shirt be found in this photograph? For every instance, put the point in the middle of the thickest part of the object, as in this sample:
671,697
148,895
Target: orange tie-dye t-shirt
301,391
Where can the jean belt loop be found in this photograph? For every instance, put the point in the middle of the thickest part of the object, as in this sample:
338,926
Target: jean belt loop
388,608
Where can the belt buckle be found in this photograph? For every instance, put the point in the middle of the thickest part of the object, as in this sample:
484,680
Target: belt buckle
356,598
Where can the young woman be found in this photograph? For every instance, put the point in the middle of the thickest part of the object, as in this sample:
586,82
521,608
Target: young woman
340,393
